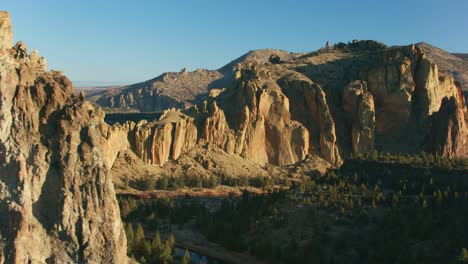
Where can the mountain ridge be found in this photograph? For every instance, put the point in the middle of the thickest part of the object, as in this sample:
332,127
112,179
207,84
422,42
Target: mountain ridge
184,89
340,101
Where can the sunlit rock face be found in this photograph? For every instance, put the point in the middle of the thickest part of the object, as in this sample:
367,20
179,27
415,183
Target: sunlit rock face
57,200
6,32
331,104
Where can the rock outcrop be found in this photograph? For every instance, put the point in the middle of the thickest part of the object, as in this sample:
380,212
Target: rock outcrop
258,113
178,89
262,132
455,65
448,128
311,109
359,103
57,200
163,140
6,32
170,90
349,99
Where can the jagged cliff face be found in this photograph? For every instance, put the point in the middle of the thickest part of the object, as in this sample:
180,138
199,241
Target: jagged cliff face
332,103
448,126
255,115
408,93
57,201
163,140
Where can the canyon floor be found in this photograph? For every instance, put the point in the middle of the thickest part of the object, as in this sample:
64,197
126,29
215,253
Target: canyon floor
374,209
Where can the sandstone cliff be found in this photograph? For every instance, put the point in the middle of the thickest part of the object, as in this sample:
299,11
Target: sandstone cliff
57,200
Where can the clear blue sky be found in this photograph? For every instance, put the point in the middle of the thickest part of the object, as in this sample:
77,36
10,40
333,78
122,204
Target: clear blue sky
134,40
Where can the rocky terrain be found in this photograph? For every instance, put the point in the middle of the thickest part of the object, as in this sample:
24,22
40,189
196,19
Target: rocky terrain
461,55
268,114
184,89
57,200
175,89
450,64
337,102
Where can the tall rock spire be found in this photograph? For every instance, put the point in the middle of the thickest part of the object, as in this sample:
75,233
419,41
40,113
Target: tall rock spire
6,33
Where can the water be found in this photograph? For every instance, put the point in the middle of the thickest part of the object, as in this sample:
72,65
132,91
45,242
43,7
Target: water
197,258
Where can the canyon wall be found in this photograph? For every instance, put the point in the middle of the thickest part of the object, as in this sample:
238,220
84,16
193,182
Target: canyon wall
394,100
57,200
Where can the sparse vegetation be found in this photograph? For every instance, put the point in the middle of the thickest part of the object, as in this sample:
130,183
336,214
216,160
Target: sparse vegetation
422,159
361,45
173,183
351,215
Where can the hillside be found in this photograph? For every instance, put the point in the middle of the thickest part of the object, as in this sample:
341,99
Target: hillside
451,64
175,89
184,89
331,104
461,55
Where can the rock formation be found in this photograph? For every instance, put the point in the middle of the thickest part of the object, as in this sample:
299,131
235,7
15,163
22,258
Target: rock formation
262,131
348,99
448,126
311,109
259,120
170,90
359,103
163,140
177,89
57,200
455,65
6,32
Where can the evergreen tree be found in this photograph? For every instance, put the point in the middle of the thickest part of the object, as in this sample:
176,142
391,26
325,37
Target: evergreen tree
166,254
199,183
146,248
171,240
186,259
139,239
213,182
163,182
130,236
463,256
156,247
126,209
156,243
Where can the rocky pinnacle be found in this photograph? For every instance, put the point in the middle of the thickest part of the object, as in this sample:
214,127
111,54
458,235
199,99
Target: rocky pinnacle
6,32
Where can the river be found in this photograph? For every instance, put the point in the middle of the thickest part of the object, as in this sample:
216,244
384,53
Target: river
197,258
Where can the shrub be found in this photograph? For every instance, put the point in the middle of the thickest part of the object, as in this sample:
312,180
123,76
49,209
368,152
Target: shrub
275,59
146,183
163,183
